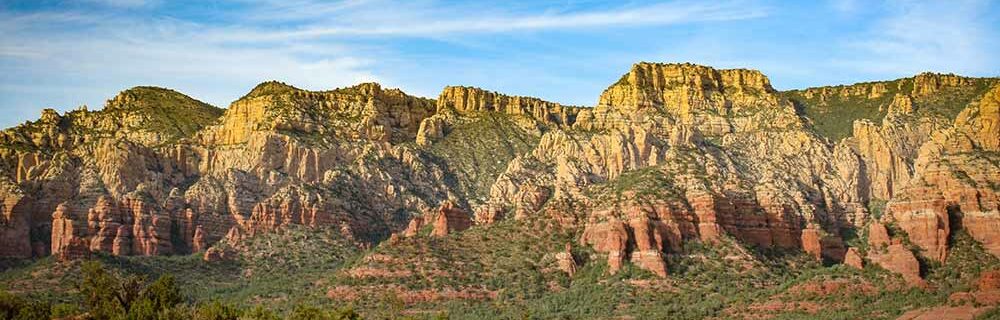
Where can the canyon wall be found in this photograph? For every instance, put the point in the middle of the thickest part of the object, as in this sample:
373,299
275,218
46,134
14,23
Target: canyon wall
671,153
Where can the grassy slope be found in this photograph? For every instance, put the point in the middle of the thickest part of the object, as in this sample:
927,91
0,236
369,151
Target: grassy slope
170,112
476,152
834,118
708,281
164,111
276,270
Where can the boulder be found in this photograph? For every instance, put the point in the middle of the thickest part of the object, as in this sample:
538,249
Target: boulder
450,219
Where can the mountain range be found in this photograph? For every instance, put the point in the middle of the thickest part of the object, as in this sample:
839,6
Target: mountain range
684,192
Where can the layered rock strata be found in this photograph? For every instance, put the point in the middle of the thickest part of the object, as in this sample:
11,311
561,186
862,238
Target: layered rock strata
671,153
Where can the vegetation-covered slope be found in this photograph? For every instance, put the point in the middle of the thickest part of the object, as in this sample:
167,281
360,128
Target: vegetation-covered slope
686,192
834,109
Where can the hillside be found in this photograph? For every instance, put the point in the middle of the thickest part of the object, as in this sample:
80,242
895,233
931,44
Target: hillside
685,192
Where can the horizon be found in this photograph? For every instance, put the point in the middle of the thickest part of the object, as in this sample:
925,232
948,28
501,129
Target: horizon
65,54
434,97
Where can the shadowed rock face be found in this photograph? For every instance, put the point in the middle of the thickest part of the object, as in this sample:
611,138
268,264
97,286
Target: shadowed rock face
671,153
450,219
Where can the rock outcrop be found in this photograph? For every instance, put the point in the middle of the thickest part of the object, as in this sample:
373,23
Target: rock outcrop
16,221
892,255
853,259
671,153
450,219
469,100
565,261
897,258
953,174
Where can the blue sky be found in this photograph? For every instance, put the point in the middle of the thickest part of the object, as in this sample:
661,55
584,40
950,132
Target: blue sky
62,54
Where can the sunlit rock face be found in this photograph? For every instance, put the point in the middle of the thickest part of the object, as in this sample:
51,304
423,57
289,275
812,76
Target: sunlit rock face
671,153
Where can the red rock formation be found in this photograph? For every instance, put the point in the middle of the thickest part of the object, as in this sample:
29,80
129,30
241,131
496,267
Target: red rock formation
739,216
565,261
704,208
489,213
14,223
284,210
966,312
648,252
641,241
132,227
821,245
952,171
450,219
610,237
413,228
984,226
987,291
150,228
926,224
878,236
989,280
122,244
811,242
234,236
853,259
198,241
103,220
66,242
897,258
892,255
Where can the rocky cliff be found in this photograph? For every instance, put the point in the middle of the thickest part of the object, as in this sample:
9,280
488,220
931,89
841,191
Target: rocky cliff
671,154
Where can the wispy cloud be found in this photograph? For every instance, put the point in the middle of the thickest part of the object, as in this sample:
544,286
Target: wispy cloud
434,23
124,3
83,51
107,46
952,36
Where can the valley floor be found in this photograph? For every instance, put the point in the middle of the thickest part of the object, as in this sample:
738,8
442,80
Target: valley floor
504,272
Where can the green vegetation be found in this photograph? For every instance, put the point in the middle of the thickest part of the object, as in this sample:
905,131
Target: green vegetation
106,294
876,207
507,264
478,151
268,88
275,270
164,111
835,118
648,183
833,114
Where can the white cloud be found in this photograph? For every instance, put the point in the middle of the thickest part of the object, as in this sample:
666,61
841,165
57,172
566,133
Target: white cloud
953,36
432,22
118,53
83,55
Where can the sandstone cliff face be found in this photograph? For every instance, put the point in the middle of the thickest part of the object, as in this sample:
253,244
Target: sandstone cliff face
458,105
469,100
365,111
450,219
671,153
888,150
891,254
726,154
15,229
278,156
955,178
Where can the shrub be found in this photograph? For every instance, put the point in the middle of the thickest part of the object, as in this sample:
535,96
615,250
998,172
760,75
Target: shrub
308,312
14,307
216,310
